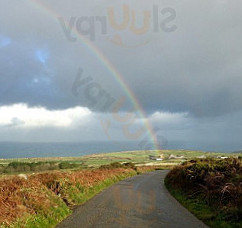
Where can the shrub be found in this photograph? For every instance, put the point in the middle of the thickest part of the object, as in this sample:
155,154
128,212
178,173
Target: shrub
14,167
215,181
68,165
128,165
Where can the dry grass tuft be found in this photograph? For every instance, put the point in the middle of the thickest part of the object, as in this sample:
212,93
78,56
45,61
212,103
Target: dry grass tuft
218,183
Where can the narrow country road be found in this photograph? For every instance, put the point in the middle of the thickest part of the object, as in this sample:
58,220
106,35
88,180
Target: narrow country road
141,201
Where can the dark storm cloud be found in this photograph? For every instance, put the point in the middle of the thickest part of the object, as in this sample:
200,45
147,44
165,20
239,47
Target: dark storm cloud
195,69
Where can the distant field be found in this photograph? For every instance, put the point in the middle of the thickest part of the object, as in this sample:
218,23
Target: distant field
40,192
170,158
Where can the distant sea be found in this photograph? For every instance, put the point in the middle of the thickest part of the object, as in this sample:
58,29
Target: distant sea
31,150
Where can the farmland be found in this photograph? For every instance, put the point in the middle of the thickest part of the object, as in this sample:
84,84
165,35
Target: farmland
170,158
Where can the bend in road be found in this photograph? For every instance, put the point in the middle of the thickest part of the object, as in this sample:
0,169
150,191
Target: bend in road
141,201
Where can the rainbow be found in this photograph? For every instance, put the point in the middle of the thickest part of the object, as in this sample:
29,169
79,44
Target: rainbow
108,65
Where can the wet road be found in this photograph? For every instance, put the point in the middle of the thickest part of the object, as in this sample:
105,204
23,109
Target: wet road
140,201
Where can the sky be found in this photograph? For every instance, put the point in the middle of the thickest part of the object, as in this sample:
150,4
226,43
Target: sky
116,70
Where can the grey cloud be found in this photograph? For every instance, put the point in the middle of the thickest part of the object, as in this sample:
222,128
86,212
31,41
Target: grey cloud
194,69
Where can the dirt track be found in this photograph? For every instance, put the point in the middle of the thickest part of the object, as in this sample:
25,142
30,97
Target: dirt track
140,201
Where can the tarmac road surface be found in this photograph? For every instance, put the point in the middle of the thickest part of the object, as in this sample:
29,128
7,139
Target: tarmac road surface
140,201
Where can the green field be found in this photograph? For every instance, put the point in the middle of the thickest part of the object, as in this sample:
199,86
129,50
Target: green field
170,158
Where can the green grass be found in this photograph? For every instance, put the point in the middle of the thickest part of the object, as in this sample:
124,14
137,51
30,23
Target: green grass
48,219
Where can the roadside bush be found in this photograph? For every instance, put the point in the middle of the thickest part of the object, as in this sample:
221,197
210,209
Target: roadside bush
217,182
114,165
68,165
16,167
